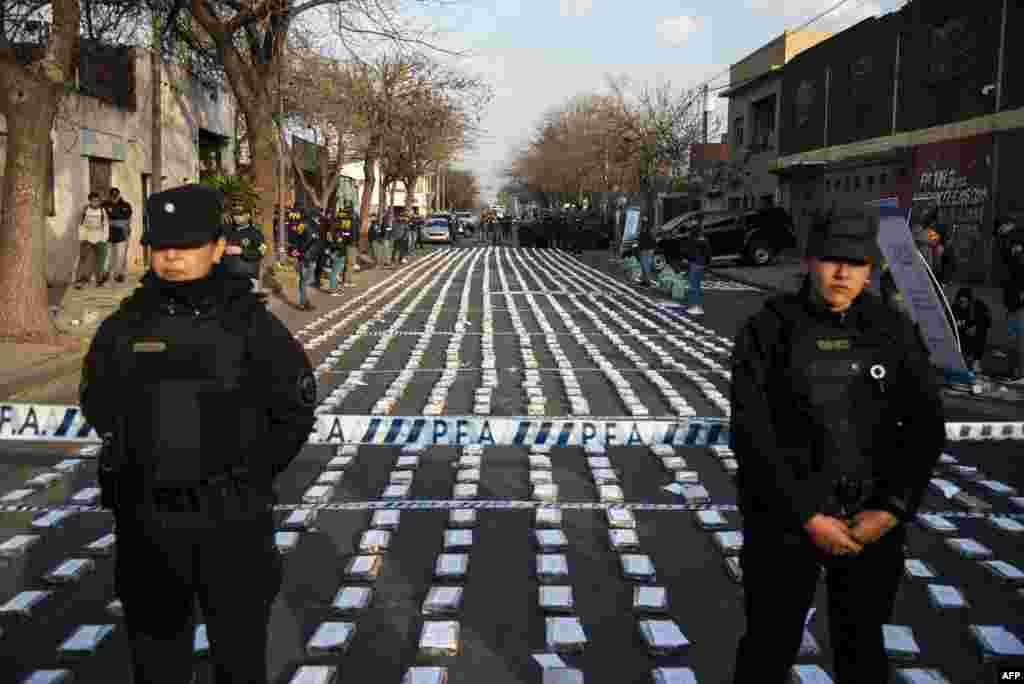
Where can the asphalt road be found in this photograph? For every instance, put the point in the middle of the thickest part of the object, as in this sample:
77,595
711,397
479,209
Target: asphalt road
501,624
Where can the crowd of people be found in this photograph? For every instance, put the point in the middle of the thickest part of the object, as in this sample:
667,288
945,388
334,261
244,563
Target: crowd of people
323,242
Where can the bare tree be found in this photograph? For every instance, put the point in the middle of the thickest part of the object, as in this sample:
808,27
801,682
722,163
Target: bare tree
244,40
39,53
657,126
463,189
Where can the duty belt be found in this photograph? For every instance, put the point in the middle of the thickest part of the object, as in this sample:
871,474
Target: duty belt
849,495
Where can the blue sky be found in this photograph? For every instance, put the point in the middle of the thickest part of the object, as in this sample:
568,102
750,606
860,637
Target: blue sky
538,53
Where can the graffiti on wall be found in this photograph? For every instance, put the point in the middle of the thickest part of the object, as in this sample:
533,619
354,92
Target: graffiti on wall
957,199
960,205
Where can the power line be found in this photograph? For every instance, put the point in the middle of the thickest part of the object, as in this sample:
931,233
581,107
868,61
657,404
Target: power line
802,26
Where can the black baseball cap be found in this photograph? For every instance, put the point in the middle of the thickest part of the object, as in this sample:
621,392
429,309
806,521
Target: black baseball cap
186,216
854,240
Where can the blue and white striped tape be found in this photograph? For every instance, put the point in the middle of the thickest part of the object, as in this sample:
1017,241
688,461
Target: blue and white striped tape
65,424
496,505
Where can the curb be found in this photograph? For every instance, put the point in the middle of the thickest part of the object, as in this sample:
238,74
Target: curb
41,374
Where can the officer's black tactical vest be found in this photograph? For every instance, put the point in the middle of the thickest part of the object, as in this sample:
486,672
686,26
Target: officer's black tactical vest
191,412
836,377
249,238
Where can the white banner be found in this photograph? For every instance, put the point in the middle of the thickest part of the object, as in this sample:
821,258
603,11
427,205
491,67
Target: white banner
922,302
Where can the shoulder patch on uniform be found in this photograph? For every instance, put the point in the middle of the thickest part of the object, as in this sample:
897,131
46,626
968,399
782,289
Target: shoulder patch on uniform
306,389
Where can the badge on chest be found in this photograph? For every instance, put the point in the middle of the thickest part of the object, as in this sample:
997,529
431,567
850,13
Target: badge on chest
833,344
149,347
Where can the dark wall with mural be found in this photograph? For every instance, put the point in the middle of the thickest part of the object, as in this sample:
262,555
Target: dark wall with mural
956,178
1013,75
949,55
861,61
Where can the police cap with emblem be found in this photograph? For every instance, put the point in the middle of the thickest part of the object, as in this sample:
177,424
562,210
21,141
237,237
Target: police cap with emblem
853,239
186,216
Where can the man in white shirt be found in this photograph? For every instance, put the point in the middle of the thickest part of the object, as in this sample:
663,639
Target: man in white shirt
93,245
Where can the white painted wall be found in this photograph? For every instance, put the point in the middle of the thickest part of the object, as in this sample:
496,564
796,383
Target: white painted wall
87,126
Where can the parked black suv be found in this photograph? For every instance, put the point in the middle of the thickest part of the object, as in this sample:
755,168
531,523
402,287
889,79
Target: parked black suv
755,236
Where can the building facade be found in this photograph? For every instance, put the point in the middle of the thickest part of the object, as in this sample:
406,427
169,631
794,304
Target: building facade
754,95
103,138
917,105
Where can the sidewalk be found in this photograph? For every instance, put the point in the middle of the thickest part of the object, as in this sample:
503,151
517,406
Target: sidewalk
78,313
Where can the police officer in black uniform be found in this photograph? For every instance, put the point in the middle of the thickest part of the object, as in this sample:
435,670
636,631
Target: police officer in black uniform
837,423
245,245
203,397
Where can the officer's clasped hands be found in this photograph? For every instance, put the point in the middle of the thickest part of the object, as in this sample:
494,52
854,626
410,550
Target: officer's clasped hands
832,535
870,526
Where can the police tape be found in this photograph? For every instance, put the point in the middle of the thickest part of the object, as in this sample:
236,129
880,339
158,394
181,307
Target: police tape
422,505
493,505
66,424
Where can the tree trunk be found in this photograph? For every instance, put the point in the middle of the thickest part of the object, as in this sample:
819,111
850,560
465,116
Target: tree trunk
364,208
262,133
30,109
410,187
382,198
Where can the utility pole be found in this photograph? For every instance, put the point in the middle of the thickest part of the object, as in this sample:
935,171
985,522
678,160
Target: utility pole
996,136
705,113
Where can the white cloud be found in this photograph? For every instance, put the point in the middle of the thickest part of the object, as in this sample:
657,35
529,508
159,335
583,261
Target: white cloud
575,8
796,12
675,31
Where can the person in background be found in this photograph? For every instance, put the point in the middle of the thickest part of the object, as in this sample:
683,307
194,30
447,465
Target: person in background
700,259
306,246
372,238
1013,299
646,244
386,243
119,216
400,236
973,321
346,234
334,255
947,261
93,233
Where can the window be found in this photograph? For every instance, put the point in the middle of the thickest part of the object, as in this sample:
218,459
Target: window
883,179
871,182
100,173
738,129
804,101
846,184
764,124
856,182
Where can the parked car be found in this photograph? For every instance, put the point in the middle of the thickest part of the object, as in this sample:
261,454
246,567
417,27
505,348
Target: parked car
437,230
757,237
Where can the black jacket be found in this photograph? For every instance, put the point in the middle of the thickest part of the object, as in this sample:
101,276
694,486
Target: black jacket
783,479
277,365
699,251
1013,289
